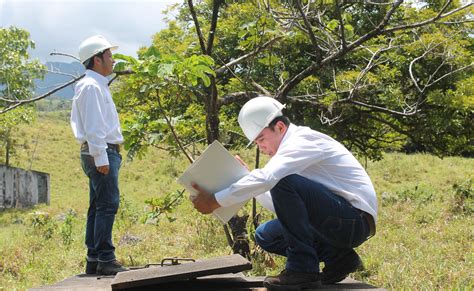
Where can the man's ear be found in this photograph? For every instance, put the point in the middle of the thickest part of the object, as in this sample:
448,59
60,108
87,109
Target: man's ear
97,61
281,126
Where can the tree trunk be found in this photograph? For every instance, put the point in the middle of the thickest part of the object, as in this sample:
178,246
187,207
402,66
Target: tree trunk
212,113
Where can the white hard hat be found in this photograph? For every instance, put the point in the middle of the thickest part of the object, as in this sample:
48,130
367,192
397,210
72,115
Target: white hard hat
257,114
92,46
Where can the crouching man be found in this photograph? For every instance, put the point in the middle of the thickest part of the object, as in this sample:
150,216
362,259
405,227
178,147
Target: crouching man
323,198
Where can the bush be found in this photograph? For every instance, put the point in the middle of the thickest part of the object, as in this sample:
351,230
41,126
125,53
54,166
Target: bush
463,198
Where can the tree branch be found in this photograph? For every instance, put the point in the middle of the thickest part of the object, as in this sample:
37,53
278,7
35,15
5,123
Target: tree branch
212,31
175,136
310,31
450,73
23,102
292,82
431,20
198,28
120,73
16,103
241,59
64,54
413,110
261,88
237,96
341,26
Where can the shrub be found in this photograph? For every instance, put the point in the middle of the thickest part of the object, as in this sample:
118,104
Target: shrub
463,198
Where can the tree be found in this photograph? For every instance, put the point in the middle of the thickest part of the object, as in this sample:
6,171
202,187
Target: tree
364,72
17,74
370,73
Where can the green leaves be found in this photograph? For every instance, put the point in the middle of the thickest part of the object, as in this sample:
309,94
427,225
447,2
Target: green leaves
197,68
165,205
17,74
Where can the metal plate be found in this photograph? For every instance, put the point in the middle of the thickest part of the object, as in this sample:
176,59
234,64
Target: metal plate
159,275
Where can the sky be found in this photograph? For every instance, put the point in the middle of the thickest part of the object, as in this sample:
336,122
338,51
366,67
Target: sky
61,25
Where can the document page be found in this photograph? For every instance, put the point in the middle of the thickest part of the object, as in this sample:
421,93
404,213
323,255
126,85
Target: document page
213,171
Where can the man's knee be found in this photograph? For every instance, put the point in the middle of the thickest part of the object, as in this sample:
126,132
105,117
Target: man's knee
285,185
260,237
108,207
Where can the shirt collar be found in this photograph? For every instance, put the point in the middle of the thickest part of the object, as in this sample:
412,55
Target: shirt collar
98,77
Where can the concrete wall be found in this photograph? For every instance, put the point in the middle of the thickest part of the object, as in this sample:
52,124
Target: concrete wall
21,189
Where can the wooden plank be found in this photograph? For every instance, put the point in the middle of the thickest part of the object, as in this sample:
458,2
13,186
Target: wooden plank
158,275
80,283
214,282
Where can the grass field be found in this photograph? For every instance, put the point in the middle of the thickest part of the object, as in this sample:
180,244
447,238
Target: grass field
424,240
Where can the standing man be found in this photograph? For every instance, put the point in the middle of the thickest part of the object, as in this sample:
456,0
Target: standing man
95,124
324,200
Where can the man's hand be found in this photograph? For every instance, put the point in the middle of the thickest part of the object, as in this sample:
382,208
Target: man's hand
103,169
204,201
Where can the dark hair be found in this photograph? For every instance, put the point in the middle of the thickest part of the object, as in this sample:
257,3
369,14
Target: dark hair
282,118
90,62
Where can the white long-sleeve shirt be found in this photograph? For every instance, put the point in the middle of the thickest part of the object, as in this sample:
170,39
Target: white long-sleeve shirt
313,155
94,117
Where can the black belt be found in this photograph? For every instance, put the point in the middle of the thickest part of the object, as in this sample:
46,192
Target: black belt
115,147
370,222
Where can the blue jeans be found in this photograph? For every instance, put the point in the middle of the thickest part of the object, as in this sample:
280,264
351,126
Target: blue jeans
313,224
104,198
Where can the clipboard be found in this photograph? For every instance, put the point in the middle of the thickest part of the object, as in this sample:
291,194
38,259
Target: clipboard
214,170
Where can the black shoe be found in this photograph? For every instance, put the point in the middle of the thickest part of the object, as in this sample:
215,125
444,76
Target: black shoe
91,267
343,266
291,280
110,268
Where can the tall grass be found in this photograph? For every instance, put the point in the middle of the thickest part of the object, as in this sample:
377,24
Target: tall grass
424,236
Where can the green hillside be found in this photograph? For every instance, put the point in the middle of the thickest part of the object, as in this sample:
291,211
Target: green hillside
424,239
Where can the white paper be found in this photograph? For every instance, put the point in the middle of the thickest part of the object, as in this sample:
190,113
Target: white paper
213,171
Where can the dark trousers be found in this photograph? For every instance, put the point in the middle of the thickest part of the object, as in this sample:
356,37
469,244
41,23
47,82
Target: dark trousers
313,224
104,198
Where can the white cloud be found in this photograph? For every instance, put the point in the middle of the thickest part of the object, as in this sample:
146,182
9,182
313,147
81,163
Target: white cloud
60,25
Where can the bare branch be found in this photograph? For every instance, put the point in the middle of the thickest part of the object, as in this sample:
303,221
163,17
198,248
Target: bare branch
455,22
431,20
377,30
371,64
237,96
292,82
64,54
329,121
309,30
450,73
18,102
243,58
429,82
120,73
60,73
26,101
261,88
171,127
412,110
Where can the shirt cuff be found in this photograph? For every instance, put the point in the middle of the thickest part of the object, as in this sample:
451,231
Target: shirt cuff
223,198
101,160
